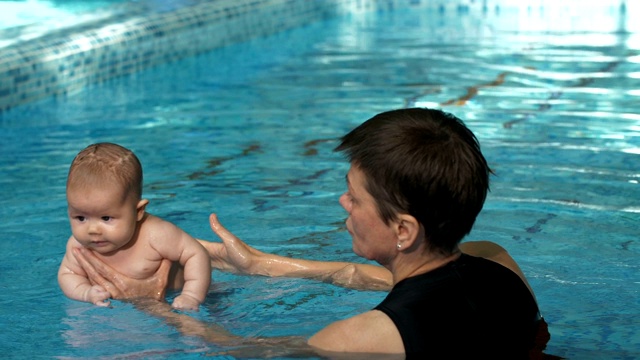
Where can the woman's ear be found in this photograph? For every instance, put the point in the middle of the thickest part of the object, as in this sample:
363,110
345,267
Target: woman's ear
142,205
407,231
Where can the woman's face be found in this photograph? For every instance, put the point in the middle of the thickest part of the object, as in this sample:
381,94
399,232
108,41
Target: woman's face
372,238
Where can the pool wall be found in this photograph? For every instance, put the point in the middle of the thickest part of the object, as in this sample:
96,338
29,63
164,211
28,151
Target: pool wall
143,35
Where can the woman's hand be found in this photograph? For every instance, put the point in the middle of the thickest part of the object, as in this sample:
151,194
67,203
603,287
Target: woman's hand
119,285
232,255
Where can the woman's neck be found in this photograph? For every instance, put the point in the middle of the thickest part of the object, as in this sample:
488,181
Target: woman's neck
413,264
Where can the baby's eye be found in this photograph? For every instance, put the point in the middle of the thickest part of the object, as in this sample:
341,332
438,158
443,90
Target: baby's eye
80,218
106,218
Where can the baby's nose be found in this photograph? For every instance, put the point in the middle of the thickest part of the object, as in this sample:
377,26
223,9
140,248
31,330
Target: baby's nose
94,228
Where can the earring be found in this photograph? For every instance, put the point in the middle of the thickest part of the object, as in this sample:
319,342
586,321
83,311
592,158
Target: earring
399,246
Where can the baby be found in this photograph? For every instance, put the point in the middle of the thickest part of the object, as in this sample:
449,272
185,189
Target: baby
107,215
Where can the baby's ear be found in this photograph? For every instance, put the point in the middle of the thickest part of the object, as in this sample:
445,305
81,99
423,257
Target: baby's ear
142,205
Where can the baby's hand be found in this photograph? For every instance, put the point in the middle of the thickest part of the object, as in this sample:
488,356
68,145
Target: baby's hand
185,302
97,295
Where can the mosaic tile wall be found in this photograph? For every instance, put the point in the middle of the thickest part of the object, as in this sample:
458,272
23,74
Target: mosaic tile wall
67,60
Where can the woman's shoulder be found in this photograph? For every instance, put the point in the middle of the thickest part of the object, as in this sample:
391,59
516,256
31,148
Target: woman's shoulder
496,253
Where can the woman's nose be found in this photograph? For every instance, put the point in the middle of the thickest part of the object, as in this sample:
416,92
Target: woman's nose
344,202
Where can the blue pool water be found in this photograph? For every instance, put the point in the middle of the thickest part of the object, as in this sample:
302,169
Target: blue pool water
247,131
23,20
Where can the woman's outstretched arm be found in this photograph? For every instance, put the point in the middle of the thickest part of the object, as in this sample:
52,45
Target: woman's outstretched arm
234,255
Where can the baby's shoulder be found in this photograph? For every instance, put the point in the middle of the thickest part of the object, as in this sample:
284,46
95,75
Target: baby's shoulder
154,227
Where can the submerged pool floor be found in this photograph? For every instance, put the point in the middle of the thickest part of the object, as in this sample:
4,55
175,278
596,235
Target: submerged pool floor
247,131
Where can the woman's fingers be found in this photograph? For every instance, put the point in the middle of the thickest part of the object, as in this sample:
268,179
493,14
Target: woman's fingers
119,285
239,255
220,230
96,270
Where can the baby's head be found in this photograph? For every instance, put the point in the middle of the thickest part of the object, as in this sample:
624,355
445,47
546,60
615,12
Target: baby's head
104,190
106,163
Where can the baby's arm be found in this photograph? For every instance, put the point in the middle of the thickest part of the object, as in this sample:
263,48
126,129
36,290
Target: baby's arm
75,285
175,244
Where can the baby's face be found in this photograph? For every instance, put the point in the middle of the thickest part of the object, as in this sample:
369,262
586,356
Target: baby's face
103,218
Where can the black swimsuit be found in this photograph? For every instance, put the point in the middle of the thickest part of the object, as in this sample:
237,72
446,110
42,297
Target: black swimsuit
466,309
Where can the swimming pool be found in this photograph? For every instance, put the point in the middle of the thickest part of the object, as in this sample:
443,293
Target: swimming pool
247,131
